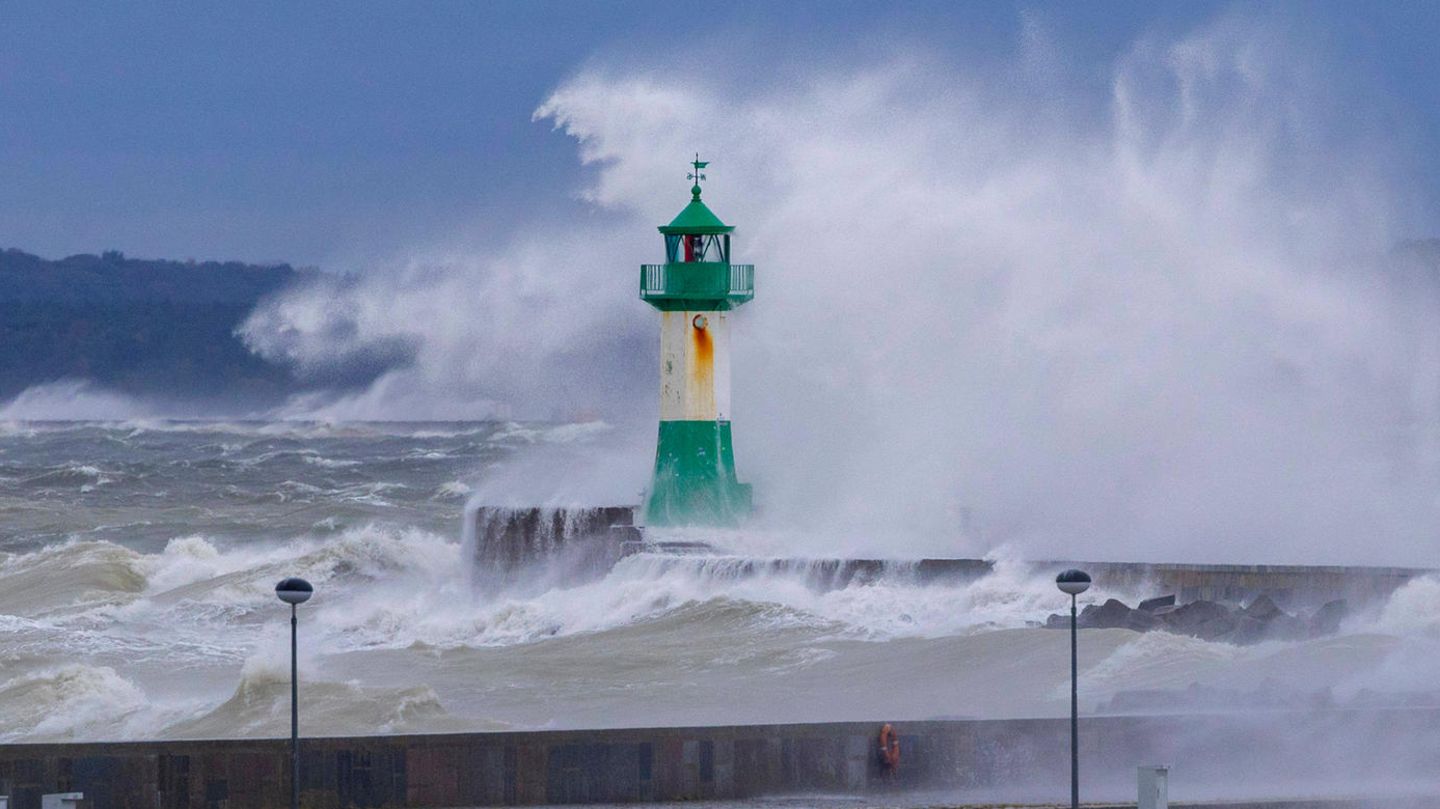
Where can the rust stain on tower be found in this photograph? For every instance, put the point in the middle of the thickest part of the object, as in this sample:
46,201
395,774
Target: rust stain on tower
704,348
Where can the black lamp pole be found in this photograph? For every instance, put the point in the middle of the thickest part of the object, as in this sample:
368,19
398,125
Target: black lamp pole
294,711
1074,582
1074,709
294,592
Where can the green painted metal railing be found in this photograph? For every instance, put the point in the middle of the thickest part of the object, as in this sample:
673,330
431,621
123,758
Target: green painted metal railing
697,285
742,279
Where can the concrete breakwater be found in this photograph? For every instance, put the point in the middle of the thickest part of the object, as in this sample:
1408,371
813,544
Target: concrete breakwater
507,540
1293,586
587,542
1215,756
1260,620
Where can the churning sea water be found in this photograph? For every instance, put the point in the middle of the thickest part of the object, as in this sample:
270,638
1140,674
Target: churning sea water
137,562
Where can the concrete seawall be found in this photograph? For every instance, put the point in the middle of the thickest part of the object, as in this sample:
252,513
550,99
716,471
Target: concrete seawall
587,542
1229,756
1288,585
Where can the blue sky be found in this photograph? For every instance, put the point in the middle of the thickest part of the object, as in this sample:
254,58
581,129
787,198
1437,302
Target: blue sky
333,134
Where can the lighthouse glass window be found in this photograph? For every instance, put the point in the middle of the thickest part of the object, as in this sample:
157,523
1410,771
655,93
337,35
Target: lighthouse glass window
691,247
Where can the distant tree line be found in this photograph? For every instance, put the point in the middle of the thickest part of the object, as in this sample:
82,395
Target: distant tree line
156,328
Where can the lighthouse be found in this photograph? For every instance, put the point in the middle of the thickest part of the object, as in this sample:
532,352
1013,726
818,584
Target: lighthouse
695,290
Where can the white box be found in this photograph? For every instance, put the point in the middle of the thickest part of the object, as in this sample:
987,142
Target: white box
1154,782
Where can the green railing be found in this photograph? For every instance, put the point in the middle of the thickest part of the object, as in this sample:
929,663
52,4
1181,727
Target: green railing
697,285
742,280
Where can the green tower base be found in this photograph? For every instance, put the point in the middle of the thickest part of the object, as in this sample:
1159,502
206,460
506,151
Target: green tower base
695,481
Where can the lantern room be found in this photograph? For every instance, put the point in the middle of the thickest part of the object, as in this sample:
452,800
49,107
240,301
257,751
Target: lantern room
697,273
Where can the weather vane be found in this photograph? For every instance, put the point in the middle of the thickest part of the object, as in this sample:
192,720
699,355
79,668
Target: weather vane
696,175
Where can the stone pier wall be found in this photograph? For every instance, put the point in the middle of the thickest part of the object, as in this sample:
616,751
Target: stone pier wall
1009,761
591,540
1288,585
587,542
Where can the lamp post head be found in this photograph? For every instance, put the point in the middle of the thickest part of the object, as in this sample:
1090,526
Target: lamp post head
294,590
1073,582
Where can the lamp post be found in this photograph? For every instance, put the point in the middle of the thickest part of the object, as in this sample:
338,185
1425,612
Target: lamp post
294,591
1074,582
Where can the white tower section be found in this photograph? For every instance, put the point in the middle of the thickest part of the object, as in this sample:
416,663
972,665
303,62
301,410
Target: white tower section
694,366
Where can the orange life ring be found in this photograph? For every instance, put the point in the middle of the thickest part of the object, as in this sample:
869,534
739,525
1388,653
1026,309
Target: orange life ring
889,747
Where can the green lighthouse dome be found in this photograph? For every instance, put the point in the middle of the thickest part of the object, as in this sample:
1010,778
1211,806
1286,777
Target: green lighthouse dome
696,219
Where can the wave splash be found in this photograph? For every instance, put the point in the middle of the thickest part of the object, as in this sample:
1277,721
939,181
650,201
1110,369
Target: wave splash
189,641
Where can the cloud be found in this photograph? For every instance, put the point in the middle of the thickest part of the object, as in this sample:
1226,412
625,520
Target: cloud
1167,330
